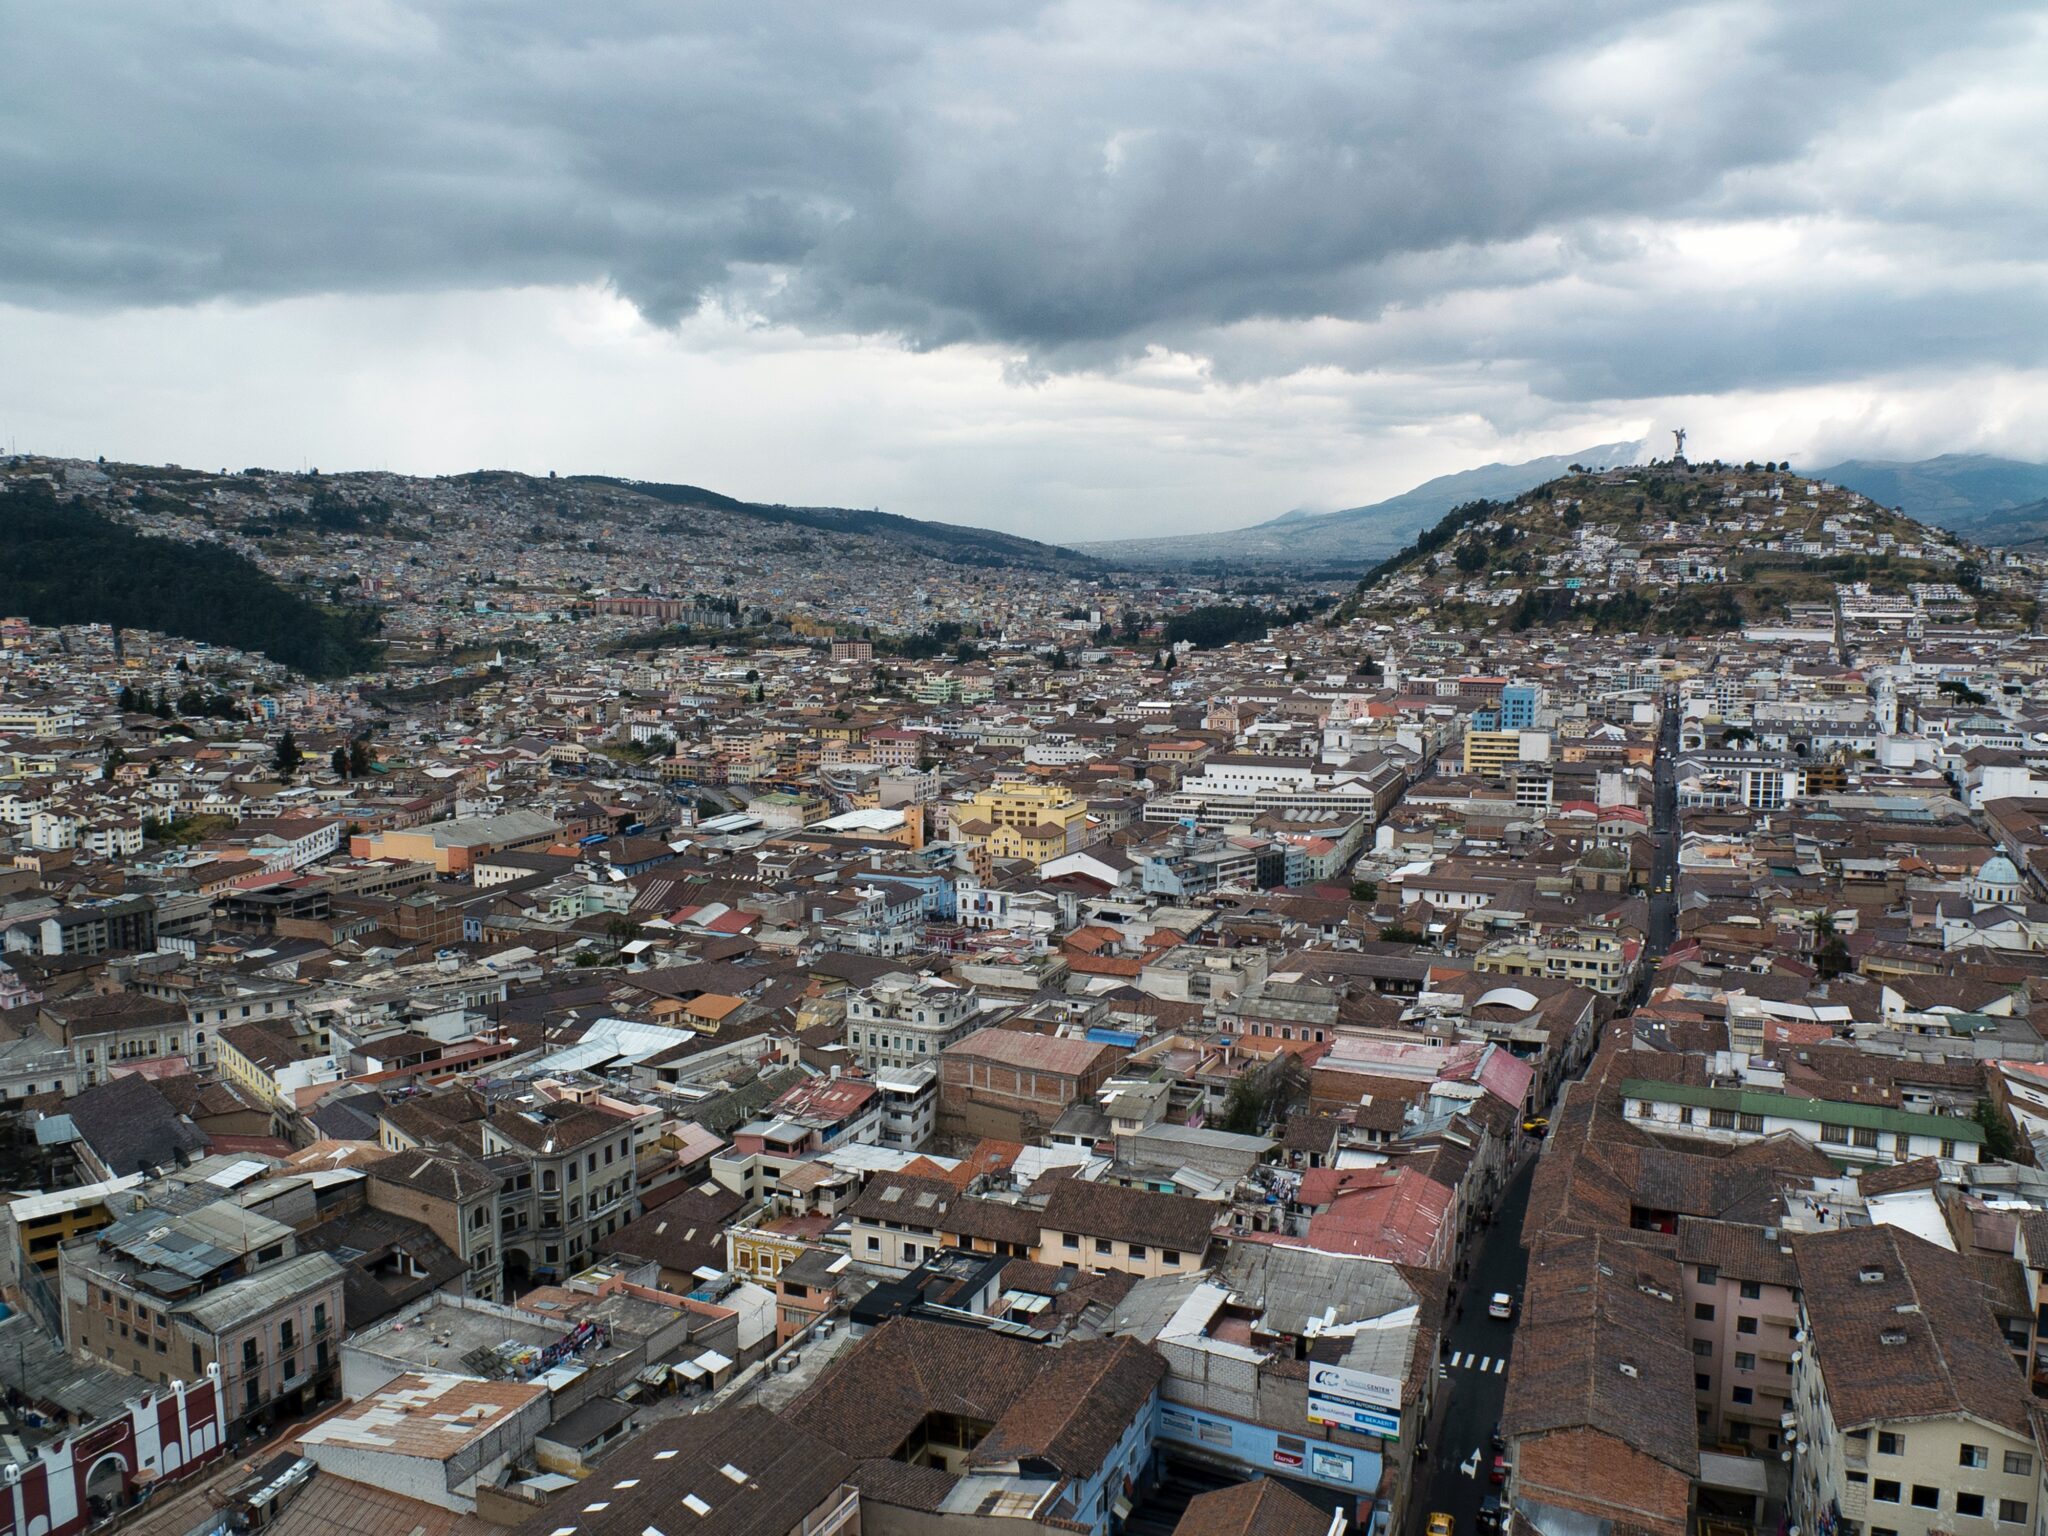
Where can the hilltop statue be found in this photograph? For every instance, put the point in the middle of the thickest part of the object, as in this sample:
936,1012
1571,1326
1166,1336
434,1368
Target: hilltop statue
1678,453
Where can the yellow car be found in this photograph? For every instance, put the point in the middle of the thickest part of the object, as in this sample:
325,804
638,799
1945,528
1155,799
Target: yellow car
1441,1524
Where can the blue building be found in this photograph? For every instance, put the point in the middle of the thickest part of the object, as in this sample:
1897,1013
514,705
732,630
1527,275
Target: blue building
1518,707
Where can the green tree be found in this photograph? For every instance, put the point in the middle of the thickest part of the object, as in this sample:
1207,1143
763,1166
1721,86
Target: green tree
359,757
1999,1139
339,762
285,759
1365,890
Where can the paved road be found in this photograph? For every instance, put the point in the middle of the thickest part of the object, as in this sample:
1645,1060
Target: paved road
1664,853
1474,1386
1475,1381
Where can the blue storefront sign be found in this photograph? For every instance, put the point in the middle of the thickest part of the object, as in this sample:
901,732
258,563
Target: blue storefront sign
1361,1418
1256,1449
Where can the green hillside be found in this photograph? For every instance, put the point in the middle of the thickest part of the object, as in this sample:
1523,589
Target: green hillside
62,564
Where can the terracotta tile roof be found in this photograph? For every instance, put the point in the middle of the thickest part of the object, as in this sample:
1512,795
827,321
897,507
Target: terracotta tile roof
1258,1508
1067,1406
1601,1347
1902,1329
784,1473
1141,1216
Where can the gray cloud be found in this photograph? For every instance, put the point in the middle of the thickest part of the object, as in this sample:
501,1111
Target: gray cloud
1076,182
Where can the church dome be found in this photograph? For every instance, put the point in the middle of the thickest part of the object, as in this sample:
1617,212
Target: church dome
1998,870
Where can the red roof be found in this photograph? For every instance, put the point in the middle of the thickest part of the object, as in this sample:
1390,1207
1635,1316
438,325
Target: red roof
1399,1217
829,1098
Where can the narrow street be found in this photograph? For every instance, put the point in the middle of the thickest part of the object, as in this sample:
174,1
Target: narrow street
1455,1477
1473,1370
1663,919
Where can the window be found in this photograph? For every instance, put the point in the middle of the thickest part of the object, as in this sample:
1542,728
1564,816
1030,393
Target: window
1703,1311
291,1366
319,1317
1973,1456
1703,1348
1882,1530
1702,1384
1137,1250
2019,1464
874,1245
1103,1245
1744,1361
284,1334
1708,1274
1751,1123
1742,1395
2012,1511
1866,1136
1925,1497
1745,1325
1721,1119
1885,1490
1751,1291
1890,1444
1068,1240
1168,1256
1834,1133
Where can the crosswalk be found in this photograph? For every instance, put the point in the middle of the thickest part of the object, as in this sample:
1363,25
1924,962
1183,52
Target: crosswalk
1485,1365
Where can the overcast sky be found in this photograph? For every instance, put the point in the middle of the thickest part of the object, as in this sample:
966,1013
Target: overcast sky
1087,270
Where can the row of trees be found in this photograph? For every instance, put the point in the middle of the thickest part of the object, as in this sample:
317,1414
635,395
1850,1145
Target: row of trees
193,704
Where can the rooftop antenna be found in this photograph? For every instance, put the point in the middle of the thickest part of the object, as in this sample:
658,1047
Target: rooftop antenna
1679,452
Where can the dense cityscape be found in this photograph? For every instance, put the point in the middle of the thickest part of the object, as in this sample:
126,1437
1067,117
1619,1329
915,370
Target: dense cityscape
1056,769
807,1028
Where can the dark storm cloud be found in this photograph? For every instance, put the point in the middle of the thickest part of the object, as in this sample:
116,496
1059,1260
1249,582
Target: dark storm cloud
1075,182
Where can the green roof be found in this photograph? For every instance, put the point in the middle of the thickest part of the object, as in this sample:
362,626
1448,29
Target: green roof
1745,1101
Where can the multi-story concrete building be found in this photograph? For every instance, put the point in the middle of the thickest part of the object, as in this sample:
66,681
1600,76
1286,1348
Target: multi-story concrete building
1851,1134
903,1021
165,1296
99,927
454,1196
1009,1084
910,1105
1912,1415
1035,822
1742,1293
1491,753
1586,958
578,1184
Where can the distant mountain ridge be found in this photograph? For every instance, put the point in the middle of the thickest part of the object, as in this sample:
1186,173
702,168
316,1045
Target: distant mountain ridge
955,542
1369,532
1987,499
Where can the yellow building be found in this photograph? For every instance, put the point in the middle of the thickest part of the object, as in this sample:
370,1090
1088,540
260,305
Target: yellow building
1489,753
760,1254
46,1222
1023,821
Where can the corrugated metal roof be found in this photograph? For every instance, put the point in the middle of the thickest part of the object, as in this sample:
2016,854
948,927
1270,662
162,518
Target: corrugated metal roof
240,1300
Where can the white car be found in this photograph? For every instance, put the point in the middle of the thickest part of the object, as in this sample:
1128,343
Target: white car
1502,1305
